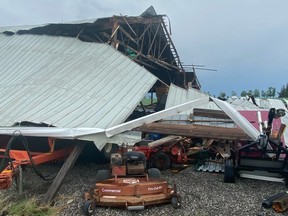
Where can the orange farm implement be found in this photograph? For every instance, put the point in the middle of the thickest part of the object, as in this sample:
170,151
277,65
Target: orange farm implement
129,185
12,159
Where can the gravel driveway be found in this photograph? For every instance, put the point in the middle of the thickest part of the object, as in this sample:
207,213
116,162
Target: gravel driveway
203,193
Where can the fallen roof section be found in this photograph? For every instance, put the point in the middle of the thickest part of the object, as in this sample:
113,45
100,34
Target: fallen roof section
146,39
178,95
239,119
243,103
155,116
67,83
114,134
97,135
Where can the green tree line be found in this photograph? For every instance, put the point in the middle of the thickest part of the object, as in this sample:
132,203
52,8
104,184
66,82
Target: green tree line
269,93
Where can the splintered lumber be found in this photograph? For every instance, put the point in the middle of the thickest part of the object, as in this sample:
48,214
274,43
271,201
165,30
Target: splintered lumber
202,131
57,182
223,149
207,143
163,141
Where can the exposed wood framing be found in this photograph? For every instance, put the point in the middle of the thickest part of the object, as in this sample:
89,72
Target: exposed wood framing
149,34
129,25
113,37
128,35
172,47
146,36
153,40
207,143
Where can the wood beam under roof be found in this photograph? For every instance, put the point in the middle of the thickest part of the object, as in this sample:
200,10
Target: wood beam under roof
193,130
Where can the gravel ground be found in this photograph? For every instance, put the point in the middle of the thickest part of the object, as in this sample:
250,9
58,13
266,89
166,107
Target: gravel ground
203,193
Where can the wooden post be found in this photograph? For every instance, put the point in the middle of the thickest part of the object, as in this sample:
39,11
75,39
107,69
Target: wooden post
57,182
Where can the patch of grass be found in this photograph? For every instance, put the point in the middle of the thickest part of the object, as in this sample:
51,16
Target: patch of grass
147,101
28,207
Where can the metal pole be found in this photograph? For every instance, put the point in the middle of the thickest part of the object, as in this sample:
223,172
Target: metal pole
20,181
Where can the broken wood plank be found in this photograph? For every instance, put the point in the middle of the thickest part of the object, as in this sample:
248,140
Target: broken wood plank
163,141
207,143
223,149
56,184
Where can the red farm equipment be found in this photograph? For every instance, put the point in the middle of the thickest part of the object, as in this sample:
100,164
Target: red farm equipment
165,152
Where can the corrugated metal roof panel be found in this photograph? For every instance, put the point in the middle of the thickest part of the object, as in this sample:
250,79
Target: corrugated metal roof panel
243,103
211,166
177,95
285,100
268,103
277,103
67,83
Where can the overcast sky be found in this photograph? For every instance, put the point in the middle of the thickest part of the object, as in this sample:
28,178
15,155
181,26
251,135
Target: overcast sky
246,41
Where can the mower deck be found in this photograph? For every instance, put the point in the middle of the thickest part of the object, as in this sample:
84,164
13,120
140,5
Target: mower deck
128,192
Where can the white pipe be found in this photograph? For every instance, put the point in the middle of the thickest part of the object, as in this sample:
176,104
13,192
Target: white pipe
260,122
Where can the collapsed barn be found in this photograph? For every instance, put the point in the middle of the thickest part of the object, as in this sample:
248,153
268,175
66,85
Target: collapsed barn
67,85
73,81
145,39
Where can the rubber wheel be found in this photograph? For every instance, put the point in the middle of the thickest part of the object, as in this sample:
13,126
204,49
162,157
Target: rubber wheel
88,208
154,173
175,202
161,161
229,172
109,149
103,175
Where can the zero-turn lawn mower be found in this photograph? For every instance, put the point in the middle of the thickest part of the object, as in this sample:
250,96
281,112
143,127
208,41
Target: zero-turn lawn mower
128,184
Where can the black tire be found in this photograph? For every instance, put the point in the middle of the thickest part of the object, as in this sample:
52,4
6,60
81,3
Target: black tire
176,202
154,173
161,161
109,149
137,154
88,208
103,175
229,172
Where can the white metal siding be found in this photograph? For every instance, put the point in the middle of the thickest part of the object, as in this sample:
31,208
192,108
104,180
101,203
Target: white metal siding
177,96
67,83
